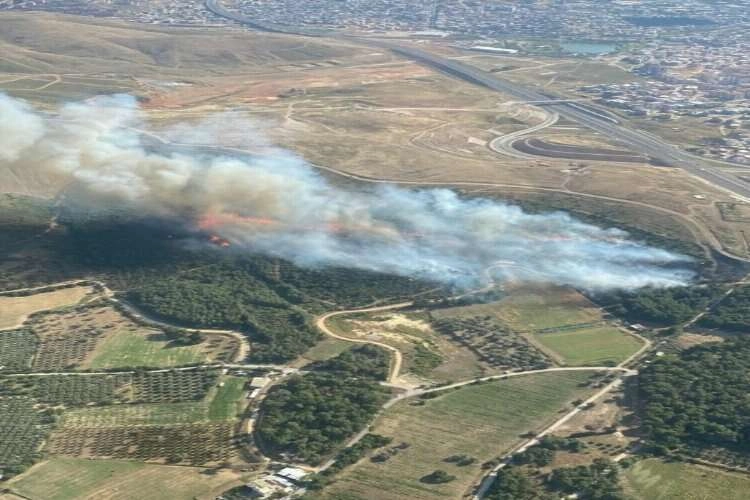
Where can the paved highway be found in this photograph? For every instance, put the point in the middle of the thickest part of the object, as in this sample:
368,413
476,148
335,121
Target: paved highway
640,142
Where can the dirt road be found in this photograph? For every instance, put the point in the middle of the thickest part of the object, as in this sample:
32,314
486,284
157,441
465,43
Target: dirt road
397,360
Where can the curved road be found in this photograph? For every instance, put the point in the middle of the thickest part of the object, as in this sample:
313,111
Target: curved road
398,358
504,144
639,141
535,146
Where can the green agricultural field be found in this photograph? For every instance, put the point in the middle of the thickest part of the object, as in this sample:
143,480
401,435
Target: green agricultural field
222,403
533,308
68,478
226,402
134,348
653,479
482,421
550,308
598,346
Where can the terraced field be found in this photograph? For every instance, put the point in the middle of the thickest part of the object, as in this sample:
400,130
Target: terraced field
188,430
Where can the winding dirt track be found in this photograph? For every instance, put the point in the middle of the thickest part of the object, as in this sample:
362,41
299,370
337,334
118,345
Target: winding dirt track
398,358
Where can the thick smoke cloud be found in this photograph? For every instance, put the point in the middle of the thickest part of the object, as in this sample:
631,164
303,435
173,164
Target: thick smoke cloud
279,205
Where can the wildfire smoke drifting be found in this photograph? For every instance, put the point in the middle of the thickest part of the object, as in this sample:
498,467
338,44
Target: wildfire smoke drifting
280,206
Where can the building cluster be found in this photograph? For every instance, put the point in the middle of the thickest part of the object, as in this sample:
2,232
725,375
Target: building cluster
708,83
367,15
285,483
616,20
282,482
170,12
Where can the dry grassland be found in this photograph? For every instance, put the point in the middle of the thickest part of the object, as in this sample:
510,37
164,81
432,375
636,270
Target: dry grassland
534,307
15,310
66,478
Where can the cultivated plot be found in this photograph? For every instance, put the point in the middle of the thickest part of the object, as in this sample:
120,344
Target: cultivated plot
99,337
598,346
223,402
479,421
66,478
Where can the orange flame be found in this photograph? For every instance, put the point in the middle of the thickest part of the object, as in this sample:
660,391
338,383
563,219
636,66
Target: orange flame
214,221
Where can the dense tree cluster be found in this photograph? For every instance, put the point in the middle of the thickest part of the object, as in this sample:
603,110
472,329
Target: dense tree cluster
307,417
349,287
365,360
228,295
664,306
173,276
732,313
544,453
269,299
512,484
536,455
698,398
437,477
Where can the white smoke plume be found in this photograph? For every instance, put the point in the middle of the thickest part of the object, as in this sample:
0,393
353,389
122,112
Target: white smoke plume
279,205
